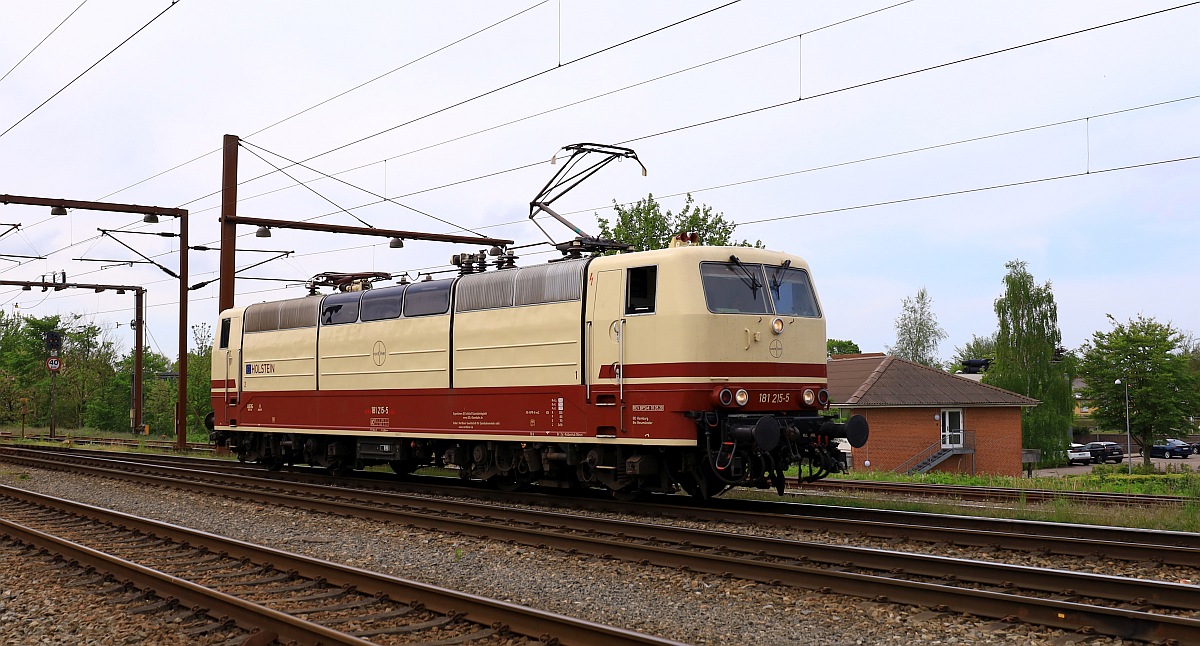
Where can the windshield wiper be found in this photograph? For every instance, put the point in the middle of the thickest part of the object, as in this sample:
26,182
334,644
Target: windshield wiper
747,277
776,281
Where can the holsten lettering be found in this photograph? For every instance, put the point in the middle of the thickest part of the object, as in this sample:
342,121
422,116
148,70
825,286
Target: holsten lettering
260,368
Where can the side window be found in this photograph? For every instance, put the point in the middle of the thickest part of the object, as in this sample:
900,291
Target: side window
640,290
340,308
425,298
224,334
381,304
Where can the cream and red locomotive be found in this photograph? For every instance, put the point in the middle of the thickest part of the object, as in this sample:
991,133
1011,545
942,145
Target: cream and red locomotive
693,367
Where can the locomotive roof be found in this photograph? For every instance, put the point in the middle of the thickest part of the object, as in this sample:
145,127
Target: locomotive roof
676,255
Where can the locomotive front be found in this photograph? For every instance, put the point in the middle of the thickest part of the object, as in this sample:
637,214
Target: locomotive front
739,337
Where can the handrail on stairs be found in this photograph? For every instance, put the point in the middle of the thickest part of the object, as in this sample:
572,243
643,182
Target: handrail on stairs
916,460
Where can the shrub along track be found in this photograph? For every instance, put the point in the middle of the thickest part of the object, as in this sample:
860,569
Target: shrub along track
222,586
1116,606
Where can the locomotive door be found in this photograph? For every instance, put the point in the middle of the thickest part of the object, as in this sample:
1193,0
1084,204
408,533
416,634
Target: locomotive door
229,348
606,326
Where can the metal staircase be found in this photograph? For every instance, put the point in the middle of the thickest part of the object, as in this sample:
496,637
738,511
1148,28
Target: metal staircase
936,454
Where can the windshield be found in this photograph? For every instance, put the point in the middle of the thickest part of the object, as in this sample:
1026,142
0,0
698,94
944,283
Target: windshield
745,288
734,288
792,292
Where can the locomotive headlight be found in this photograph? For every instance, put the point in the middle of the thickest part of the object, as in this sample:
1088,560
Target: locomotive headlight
809,396
777,325
742,397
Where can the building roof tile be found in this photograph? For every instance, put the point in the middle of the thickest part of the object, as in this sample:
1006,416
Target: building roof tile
878,380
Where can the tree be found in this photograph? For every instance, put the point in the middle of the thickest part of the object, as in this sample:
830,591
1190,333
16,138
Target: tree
645,226
1149,359
199,386
838,346
1029,360
979,347
918,332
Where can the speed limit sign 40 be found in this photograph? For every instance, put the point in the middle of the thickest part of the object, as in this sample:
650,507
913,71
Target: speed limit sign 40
54,364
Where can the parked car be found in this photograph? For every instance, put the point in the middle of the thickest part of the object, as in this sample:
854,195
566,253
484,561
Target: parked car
1105,452
1076,453
1171,449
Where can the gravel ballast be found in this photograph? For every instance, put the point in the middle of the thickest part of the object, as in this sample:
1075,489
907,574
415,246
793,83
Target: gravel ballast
687,607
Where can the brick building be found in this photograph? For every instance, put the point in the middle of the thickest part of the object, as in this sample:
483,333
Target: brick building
927,420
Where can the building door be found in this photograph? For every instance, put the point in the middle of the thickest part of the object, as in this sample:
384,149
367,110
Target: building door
952,433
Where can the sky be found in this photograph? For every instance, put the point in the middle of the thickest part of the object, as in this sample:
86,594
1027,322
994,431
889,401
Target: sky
893,145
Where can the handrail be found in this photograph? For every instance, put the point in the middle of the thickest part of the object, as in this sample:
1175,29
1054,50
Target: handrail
933,449
908,464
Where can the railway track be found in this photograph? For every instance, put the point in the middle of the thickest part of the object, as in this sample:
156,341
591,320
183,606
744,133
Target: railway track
223,586
1005,494
1109,605
969,531
133,442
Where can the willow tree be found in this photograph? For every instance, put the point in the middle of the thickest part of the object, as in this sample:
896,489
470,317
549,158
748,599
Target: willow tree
1028,360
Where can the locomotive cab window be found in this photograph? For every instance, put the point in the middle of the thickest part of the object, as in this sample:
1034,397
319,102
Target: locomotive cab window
340,308
734,288
792,292
640,289
427,297
224,344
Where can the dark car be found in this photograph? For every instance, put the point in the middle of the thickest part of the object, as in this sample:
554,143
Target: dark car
1171,449
1105,452
1077,453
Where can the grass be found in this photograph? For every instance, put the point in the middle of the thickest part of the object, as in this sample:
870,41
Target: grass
1176,480
39,436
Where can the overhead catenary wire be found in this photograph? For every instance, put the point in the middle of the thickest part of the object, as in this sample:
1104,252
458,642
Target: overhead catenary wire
779,175
486,93
332,98
44,39
90,67
730,116
978,189
305,185
355,186
799,215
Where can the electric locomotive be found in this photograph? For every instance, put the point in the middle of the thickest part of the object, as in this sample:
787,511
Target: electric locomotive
693,367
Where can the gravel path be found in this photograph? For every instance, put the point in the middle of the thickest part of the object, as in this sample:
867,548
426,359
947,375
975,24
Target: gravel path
687,607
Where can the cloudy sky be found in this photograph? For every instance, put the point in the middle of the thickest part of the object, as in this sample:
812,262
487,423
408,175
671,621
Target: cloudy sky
894,146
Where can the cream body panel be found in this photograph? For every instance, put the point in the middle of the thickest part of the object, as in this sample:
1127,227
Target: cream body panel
534,345
682,329
226,363
279,360
384,355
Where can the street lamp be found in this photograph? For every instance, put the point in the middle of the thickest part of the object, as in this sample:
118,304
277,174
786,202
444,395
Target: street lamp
1128,444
